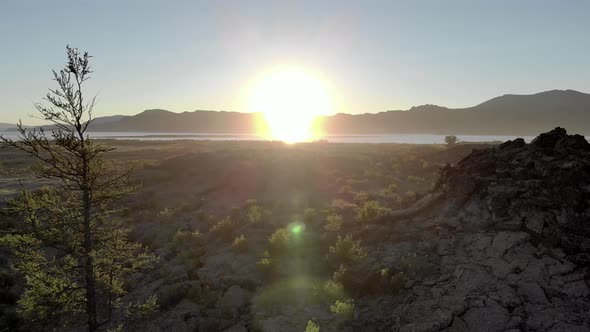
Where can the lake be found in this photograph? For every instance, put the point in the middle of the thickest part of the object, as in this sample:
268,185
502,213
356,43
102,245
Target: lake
381,138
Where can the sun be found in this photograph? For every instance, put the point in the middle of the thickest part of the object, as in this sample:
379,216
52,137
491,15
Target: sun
290,99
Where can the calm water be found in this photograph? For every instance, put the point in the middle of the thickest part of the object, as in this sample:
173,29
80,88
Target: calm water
409,139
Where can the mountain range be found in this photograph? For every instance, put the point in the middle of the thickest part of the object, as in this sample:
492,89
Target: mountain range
505,115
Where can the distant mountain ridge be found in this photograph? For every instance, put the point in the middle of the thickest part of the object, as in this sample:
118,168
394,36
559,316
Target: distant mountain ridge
509,114
159,120
505,115
4,126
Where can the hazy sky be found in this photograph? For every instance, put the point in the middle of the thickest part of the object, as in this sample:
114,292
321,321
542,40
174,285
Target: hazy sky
376,55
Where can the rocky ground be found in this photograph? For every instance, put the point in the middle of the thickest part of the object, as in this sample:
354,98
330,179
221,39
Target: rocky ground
507,248
502,242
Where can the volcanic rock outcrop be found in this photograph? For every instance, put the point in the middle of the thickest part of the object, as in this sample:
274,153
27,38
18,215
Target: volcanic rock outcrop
506,246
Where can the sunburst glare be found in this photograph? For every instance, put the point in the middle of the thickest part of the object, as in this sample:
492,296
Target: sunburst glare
290,99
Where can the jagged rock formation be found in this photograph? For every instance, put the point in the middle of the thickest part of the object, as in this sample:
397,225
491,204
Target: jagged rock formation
541,188
507,248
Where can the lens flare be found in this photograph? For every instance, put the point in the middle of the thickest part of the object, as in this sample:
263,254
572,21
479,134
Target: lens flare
296,227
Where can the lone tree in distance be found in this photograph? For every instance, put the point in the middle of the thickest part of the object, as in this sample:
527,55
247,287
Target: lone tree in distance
451,140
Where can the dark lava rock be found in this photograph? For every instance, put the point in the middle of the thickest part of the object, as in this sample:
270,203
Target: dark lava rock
506,249
544,187
517,143
559,140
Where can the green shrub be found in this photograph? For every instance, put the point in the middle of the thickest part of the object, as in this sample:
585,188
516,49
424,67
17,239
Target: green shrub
143,310
223,229
361,197
240,243
254,214
185,237
391,190
312,327
369,211
346,250
345,189
342,206
167,212
118,328
340,274
266,265
333,223
188,244
332,290
343,308
279,241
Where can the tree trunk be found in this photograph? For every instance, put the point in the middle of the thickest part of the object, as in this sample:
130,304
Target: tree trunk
89,276
88,246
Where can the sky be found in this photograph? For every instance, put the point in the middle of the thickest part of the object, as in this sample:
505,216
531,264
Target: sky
373,55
